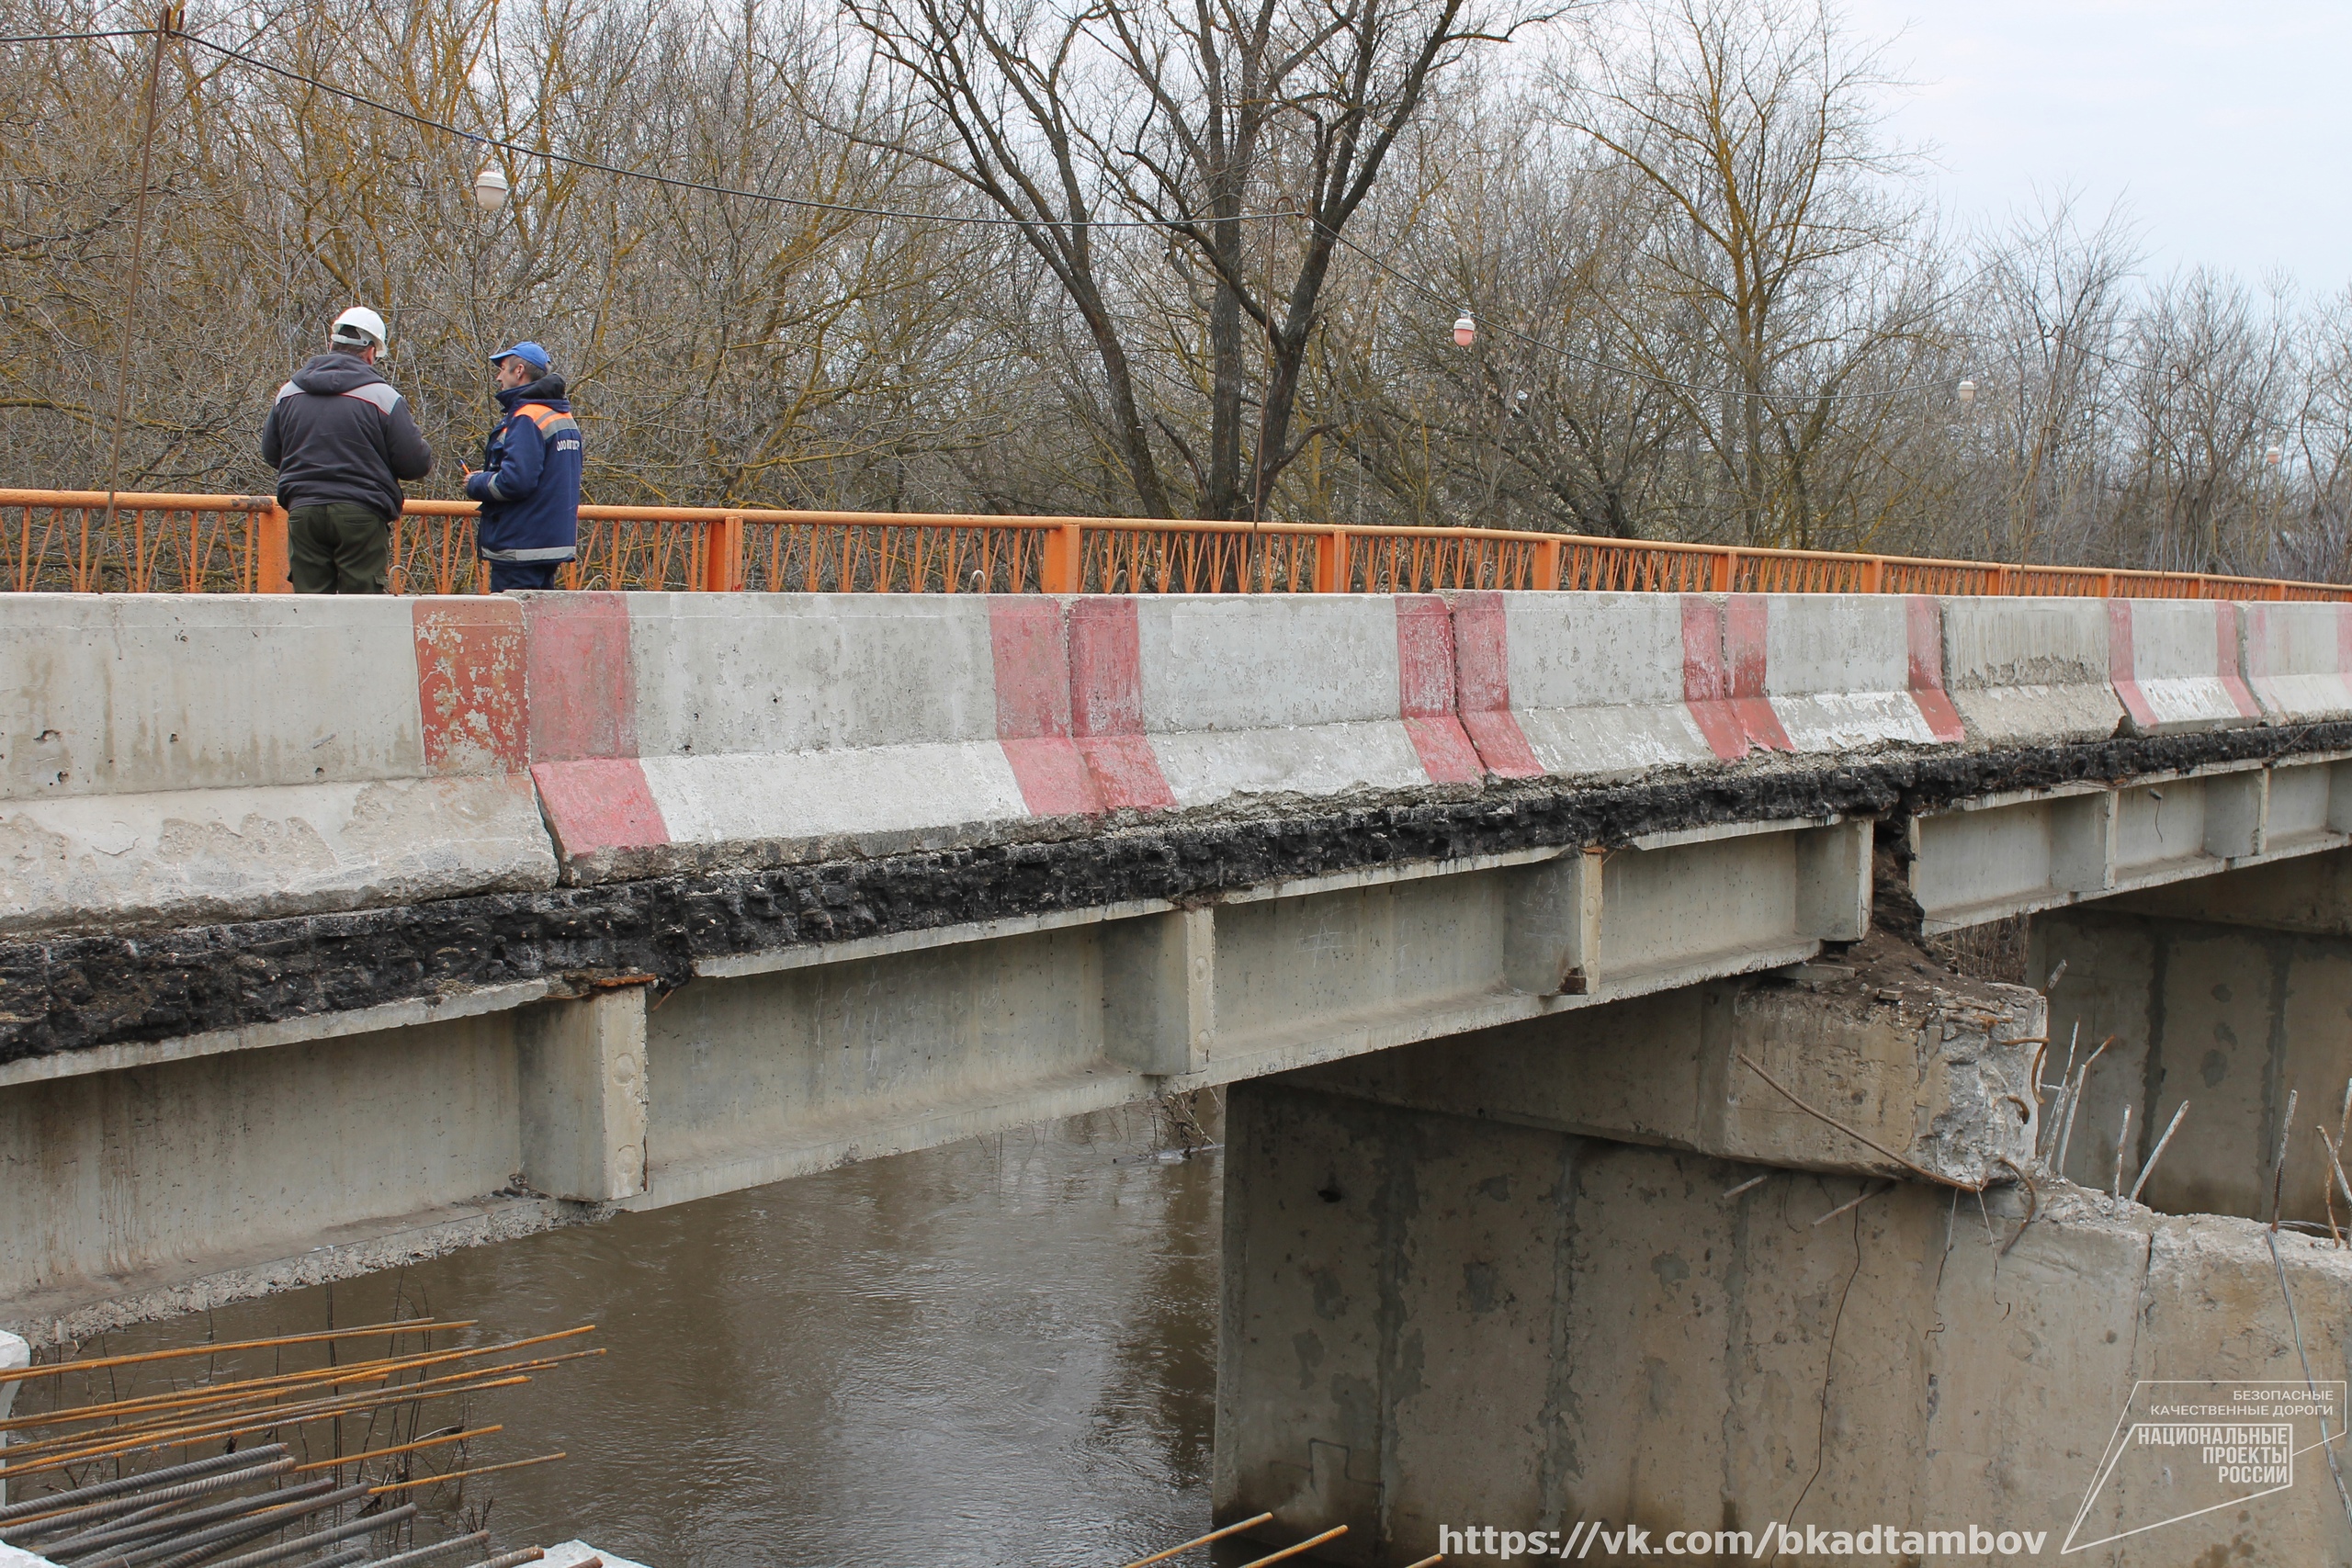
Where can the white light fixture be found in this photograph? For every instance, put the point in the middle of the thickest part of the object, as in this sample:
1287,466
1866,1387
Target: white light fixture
1967,392
489,188
1465,330
2275,456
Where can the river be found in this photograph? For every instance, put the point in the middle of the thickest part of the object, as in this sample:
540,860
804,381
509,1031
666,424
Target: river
999,1352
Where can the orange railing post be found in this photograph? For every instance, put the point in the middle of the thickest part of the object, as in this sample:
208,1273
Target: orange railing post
1331,575
1063,569
1547,566
1726,570
273,567
722,559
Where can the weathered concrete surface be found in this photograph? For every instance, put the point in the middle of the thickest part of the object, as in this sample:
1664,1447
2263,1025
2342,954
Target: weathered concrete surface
2228,1017
1926,1065
2312,896
2013,852
231,854
166,759
149,1167
2178,665
69,993
193,1182
1434,1319
2294,660
2029,670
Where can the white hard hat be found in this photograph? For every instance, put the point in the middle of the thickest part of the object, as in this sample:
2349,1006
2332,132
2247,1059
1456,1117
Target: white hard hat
358,326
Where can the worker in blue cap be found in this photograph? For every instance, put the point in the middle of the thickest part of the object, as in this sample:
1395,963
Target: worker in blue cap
528,483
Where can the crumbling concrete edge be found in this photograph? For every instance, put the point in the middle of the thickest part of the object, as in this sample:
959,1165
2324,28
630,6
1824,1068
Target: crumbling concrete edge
496,1219
73,993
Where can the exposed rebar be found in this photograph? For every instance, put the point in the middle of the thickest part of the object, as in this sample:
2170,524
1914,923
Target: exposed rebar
441,1549
328,1537
26,1511
123,1532
2158,1152
152,1497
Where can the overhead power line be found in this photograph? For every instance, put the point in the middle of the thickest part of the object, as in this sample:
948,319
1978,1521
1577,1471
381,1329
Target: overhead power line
674,181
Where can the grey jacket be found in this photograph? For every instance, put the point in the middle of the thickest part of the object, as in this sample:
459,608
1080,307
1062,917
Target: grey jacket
338,432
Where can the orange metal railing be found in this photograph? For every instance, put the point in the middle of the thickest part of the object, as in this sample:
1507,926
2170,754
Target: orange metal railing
61,541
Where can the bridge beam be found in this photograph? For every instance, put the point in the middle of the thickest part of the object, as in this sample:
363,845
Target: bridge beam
2021,850
180,1173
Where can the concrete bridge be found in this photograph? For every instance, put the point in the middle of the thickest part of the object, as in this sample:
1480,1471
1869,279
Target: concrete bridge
338,932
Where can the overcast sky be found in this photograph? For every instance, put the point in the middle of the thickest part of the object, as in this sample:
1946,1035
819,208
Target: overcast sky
2221,124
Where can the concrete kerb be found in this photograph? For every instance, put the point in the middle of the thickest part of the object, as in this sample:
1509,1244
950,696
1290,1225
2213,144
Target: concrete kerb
2027,670
2174,665
1574,685
755,728
1842,672
171,760
1247,695
664,732
2297,661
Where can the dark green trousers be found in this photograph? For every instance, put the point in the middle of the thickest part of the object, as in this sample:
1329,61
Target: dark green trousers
338,547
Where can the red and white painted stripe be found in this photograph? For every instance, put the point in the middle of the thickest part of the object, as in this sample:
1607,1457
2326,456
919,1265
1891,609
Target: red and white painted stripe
2174,665
1846,672
2298,660
219,757
680,731
1583,685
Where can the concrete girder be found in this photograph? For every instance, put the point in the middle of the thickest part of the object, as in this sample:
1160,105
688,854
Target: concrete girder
168,1175
769,1065
2013,853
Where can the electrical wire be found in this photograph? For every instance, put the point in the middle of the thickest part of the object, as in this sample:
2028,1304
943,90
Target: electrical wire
811,204
78,38
674,181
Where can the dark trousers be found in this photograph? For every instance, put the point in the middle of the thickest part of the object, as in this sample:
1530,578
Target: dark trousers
338,547
507,576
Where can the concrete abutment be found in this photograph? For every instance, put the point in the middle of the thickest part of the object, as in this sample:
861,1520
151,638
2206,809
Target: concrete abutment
2228,993
1498,1281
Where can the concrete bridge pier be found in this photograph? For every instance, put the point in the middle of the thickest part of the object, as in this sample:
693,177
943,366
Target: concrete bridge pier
2227,992
1593,1267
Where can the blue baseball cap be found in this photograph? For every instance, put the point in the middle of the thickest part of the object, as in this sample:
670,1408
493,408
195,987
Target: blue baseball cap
530,354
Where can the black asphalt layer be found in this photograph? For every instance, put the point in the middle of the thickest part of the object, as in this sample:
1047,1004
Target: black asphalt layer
73,992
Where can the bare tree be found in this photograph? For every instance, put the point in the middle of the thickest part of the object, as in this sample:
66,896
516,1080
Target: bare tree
1776,280
1184,117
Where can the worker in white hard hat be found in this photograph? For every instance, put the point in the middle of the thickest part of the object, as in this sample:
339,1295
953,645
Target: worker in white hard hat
342,441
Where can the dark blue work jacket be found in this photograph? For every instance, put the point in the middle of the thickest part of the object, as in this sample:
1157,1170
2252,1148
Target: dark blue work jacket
529,481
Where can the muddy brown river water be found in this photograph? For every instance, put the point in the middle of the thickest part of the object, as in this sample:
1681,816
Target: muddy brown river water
997,1352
